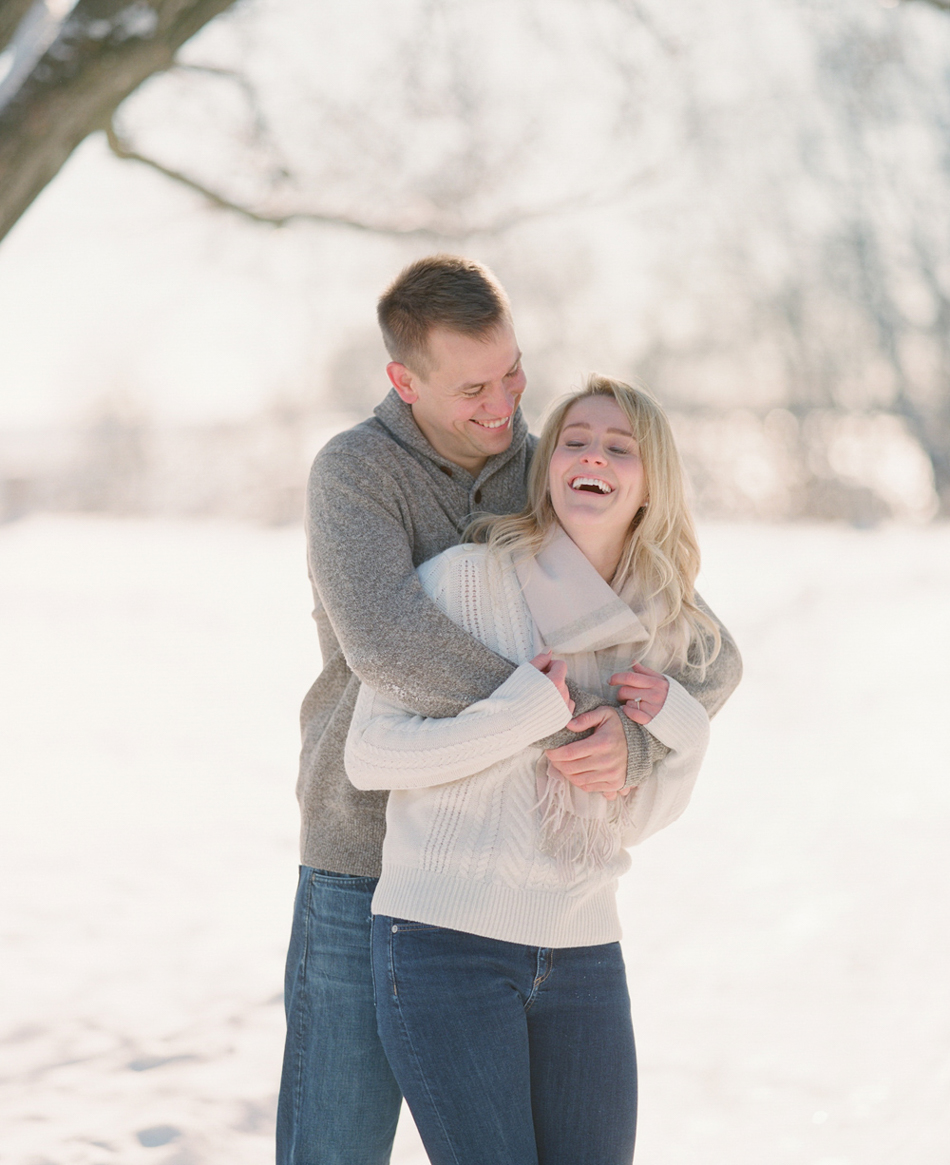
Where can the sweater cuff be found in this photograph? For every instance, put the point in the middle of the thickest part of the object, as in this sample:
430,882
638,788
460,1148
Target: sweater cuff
643,751
682,722
537,705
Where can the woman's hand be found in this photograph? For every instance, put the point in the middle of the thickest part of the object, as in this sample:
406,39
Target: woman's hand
642,692
556,671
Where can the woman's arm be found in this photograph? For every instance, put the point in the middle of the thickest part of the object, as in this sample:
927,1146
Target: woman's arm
389,747
682,725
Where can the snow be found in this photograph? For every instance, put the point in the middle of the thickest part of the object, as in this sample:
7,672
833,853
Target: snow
786,941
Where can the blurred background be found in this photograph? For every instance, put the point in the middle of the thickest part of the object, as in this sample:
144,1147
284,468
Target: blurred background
744,205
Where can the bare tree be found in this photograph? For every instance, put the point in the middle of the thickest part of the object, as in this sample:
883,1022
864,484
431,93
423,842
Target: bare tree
11,13
100,53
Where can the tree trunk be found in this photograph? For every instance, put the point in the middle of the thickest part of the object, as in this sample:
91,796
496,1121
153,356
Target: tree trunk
104,50
11,13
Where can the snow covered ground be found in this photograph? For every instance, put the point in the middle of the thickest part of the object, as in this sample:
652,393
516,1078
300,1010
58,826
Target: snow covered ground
787,941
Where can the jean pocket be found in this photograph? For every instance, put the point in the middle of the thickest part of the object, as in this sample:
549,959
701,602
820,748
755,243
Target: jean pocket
407,926
355,881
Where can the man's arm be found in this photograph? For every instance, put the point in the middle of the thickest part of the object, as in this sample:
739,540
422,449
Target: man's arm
393,636
723,674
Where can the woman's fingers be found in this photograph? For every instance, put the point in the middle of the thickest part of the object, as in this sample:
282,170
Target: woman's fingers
638,674
642,715
642,692
655,693
556,671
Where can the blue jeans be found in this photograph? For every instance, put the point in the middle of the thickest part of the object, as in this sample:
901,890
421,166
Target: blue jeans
508,1054
339,1101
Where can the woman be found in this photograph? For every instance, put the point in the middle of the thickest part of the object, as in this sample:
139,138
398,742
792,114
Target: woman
501,994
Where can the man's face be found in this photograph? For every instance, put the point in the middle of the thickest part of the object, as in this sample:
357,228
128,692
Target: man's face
465,402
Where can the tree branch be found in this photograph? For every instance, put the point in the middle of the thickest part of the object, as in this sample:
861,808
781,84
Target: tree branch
104,50
121,149
242,83
11,16
433,230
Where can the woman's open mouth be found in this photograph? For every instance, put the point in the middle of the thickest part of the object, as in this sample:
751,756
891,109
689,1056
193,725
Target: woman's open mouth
594,485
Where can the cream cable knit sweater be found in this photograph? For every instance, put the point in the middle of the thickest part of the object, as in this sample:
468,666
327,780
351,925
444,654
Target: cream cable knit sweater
462,824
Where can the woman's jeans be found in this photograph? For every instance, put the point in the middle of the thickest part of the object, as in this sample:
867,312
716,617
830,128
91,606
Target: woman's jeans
508,1054
338,1100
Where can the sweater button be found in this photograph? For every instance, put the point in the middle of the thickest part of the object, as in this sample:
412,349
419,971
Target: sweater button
478,495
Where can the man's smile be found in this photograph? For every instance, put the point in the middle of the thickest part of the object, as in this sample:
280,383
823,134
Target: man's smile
493,424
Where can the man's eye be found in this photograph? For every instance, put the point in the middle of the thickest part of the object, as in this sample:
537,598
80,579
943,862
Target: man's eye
474,391
513,372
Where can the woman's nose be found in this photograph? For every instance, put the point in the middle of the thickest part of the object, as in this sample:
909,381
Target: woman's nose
594,456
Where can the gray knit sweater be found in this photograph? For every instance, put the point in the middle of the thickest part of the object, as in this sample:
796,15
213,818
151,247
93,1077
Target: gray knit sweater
380,502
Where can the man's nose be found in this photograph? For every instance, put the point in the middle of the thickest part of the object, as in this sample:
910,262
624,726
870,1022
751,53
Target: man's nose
502,400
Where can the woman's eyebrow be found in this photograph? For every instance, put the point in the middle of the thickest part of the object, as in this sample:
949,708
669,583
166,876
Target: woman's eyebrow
584,425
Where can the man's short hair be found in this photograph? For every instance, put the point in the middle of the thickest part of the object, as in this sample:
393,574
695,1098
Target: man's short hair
440,291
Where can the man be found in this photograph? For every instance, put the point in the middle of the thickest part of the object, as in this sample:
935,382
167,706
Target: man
448,440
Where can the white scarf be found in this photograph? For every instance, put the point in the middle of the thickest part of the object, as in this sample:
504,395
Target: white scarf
582,620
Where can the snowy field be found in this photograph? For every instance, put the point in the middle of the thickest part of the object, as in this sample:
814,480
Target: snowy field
787,941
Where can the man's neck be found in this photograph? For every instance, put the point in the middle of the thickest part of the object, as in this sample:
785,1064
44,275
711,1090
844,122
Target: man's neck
472,465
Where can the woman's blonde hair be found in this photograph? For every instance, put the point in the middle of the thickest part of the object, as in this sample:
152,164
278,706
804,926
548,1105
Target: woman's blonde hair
660,551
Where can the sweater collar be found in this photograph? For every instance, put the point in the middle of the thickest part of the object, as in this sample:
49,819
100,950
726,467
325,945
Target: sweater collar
574,609
396,416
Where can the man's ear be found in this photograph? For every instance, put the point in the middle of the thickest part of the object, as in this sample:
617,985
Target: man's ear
402,381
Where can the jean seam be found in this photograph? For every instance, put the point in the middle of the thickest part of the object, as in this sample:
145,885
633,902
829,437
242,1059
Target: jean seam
404,1032
539,979
392,963
300,985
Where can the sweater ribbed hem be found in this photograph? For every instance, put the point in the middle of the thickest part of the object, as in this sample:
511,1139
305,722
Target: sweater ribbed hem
536,918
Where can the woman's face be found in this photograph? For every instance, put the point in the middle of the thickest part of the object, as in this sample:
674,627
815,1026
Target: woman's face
596,476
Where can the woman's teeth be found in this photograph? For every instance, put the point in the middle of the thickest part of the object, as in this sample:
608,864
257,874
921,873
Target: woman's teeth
592,484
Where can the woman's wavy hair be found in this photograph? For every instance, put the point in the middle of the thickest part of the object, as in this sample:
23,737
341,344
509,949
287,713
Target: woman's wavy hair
660,551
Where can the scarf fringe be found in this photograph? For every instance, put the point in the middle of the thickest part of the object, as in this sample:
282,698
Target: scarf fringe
581,845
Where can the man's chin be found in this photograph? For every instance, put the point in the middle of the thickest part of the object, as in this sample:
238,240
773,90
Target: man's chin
498,439
497,444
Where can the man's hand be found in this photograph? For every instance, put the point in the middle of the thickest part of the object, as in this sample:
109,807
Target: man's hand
598,763
642,693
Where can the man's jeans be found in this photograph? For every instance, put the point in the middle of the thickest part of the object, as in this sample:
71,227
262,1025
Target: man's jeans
508,1054
339,1101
